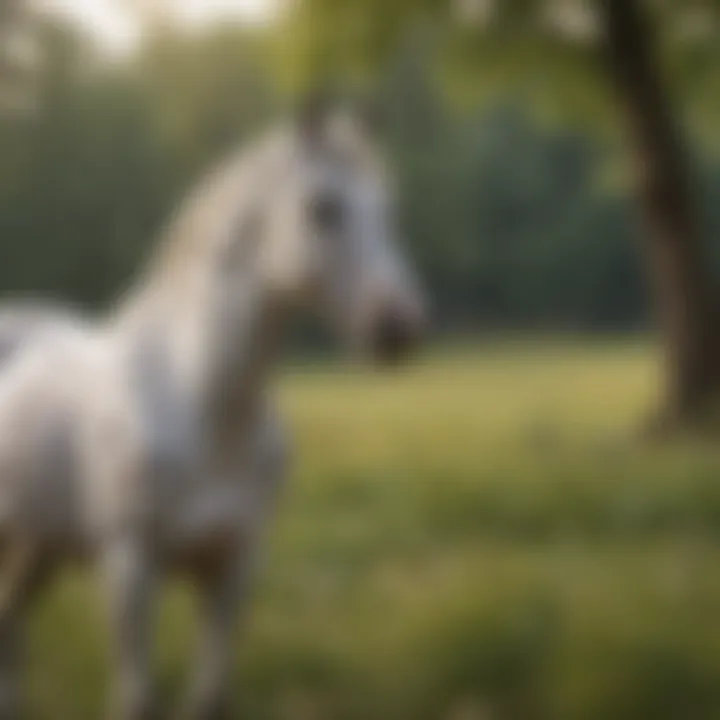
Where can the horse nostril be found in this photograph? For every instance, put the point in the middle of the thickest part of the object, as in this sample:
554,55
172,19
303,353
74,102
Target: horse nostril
394,337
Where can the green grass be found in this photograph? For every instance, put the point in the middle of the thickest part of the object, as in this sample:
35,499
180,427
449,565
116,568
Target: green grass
476,538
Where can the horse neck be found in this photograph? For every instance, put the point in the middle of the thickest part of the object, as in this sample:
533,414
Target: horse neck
216,343
242,348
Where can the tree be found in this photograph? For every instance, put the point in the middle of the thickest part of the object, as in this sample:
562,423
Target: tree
497,40
677,268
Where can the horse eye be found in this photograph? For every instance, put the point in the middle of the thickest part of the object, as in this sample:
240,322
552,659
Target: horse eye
327,213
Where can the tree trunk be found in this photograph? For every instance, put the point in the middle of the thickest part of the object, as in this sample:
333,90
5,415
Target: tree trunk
672,244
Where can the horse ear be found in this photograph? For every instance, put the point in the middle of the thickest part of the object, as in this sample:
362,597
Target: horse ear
313,112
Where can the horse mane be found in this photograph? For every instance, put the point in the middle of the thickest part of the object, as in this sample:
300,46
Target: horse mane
214,208
213,211
197,221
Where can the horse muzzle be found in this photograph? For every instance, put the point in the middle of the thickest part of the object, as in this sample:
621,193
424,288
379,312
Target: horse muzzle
396,334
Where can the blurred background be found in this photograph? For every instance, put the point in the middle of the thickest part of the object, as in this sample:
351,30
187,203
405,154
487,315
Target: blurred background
526,523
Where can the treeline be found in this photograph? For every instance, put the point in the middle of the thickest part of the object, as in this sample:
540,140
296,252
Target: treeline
514,222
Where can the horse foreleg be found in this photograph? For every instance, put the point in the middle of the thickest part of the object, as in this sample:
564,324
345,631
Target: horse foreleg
226,587
21,573
130,576
224,592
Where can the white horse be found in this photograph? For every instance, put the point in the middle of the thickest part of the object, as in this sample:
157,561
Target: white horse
148,443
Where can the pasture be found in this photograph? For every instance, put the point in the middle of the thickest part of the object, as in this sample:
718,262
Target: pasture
476,538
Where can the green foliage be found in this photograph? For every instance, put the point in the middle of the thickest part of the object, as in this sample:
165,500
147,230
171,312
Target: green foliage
548,49
509,216
86,182
504,215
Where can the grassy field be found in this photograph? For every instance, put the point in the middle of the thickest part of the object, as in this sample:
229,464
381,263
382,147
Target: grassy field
477,538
